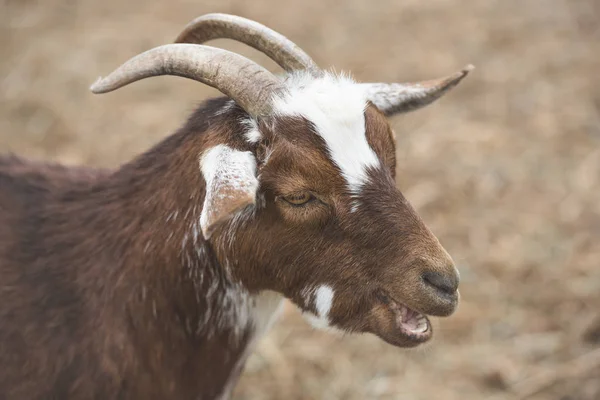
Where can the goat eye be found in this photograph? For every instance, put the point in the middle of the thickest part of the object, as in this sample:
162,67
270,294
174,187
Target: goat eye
298,199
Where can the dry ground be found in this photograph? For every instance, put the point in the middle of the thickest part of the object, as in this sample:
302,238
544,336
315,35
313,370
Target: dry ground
505,170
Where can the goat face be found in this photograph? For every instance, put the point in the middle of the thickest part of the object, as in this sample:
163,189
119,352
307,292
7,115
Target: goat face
304,202
330,230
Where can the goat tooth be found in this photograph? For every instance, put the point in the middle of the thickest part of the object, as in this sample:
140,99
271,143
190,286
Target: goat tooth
421,326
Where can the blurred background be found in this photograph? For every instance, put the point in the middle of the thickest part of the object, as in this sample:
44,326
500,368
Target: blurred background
505,170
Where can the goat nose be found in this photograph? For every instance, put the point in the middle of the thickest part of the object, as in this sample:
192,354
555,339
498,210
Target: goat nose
444,282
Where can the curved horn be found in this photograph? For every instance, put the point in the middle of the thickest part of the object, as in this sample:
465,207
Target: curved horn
279,48
394,98
246,82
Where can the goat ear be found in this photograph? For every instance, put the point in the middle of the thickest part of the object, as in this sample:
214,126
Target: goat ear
231,185
395,98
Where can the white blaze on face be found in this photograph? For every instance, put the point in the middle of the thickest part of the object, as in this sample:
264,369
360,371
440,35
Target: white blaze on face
335,105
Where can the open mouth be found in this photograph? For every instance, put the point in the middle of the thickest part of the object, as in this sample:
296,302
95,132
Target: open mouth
411,325
411,322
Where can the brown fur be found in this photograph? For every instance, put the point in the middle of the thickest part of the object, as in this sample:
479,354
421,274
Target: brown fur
94,295
99,278
383,246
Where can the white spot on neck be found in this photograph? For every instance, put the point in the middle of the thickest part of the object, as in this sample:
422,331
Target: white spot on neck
335,104
323,301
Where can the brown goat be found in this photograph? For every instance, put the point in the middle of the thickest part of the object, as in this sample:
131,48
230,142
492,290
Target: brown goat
154,280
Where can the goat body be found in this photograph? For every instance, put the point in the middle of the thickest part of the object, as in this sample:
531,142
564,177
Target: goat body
103,293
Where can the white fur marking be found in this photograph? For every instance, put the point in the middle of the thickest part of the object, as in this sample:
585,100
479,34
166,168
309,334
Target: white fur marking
355,204
323,300
252,133
335,104
262,310
223,166
228,106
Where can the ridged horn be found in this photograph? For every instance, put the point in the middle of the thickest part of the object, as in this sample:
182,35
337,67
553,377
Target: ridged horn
394,98
276,46
249,84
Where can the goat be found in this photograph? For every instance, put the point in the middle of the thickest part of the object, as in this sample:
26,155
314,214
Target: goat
155,280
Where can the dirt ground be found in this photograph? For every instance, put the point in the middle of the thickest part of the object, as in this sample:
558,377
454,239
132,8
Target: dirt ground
505,170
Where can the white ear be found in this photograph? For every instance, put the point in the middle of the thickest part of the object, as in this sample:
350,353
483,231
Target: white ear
231,185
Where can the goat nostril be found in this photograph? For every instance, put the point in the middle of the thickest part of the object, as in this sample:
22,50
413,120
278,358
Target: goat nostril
447,283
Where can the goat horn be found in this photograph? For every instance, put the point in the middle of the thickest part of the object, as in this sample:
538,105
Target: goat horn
393,98
279,48
246,82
